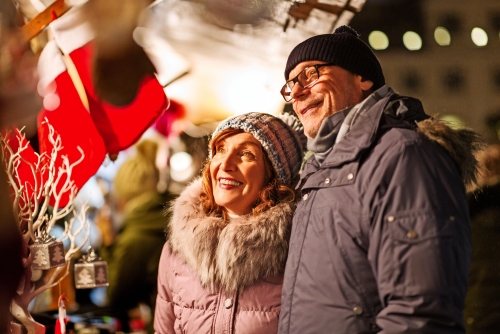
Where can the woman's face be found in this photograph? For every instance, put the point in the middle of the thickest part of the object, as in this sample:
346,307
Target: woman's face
238,172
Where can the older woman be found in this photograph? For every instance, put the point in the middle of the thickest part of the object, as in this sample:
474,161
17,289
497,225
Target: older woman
222,269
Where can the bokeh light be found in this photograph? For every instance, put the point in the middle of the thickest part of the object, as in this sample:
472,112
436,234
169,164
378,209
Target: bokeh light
181,166
453,121
412,41
378,40
442,36
479,36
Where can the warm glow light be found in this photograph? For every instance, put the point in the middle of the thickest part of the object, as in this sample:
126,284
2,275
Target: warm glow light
180,161
412,41
442,36
181,166
479,36
250,89
378,40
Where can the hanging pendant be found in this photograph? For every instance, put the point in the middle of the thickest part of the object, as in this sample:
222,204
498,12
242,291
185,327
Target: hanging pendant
91,273
47,252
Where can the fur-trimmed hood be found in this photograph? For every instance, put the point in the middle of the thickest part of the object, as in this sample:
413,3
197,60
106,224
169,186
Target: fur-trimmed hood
230,255
461,144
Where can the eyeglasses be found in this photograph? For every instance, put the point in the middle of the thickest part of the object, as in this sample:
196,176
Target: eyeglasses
306,78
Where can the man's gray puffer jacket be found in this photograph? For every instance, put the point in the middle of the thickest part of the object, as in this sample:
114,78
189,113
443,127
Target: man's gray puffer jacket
381,238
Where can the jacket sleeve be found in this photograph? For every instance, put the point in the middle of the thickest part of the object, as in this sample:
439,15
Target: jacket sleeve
164,318
420,243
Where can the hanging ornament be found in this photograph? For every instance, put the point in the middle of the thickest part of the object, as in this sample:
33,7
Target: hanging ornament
47,252
64,111
90,273
120,126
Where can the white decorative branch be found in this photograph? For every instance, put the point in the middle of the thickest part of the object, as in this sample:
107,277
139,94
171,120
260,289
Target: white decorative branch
31,207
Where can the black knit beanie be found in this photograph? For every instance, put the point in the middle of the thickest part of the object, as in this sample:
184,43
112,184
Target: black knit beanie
342,48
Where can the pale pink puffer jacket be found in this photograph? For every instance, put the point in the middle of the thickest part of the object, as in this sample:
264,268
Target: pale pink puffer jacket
217,277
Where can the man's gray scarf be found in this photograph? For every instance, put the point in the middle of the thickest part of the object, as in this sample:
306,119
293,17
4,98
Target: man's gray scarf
334,128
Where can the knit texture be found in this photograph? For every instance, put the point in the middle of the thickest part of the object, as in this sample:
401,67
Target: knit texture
282,143
342,48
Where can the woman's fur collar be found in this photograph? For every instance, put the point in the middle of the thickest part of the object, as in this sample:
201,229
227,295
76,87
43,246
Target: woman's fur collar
230,255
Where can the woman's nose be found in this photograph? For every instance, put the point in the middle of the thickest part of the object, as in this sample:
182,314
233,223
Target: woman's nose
228,162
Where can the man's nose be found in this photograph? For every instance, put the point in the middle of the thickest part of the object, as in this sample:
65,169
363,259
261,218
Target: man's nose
297,91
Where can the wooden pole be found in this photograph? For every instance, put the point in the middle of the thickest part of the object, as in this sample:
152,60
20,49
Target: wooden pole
43,19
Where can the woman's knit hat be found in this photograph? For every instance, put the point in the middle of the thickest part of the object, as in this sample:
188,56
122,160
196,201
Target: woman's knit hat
282,138
342,48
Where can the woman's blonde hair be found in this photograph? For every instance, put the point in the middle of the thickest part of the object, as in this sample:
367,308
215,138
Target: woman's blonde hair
272,194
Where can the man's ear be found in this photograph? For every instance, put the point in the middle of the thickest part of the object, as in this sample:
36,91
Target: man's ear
366,84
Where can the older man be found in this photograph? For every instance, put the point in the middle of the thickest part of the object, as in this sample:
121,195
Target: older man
381,238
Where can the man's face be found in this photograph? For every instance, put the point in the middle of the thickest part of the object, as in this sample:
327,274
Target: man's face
335,90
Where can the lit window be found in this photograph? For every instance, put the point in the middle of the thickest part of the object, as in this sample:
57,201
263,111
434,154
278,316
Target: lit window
442,36
412,41
378,40
479,36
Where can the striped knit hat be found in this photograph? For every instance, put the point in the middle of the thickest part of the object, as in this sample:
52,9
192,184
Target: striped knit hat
282,139
343,48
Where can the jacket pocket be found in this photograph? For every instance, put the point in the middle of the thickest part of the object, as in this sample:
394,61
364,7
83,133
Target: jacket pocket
424,252
416,228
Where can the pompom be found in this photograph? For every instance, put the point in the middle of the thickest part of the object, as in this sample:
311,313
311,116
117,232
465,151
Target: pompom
346,29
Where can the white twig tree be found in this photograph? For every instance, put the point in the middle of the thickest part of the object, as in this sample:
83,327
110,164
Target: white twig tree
36,180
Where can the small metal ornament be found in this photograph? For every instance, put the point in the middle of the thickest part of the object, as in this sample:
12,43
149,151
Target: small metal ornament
90,273
46,252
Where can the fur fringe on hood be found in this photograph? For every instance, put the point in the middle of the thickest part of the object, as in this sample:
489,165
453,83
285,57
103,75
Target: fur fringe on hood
230,255
462,145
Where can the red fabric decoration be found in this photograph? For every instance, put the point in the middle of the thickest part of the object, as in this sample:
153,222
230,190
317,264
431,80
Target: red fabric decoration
28,156
72,122
120,127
